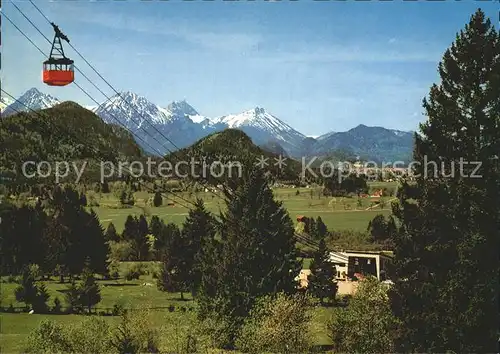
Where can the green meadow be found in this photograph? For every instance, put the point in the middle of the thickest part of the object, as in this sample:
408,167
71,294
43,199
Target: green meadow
339,213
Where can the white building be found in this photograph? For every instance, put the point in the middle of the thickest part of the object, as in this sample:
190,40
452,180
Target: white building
349,263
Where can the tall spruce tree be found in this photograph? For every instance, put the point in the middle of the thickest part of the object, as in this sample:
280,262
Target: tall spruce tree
157,199
165,236
199,228
155,226
174,274
321,229
256,256
321,281
68,230
446,251
111,234
95,246
131,228
89,290
140,243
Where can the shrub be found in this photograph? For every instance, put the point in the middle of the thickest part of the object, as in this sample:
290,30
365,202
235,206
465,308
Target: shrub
92,200
278,324
135,271
132,275
366,325
72,296
92,335
135,335
121,251
34,270
49,337
114,270
219,330
118,310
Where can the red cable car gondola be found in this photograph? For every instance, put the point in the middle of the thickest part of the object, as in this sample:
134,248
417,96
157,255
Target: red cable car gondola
58,70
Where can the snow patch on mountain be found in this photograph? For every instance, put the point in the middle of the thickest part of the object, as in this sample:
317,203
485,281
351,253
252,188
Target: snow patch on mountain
198,118
399,132
4,102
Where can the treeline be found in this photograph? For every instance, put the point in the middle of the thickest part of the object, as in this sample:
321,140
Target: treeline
57,233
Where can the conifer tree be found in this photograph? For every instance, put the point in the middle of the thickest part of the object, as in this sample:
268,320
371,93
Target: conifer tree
321,229
167,233
321,281
140,243
256,256
68,229
157,200
104,187
378,228
27,291
7,238
174,274
96,248
89,291
156,225
446,266
131,229
198,228
83,199
41,300
111,234
72,296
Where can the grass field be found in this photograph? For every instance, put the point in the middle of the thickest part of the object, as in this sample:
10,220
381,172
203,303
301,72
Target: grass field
337,213
15,327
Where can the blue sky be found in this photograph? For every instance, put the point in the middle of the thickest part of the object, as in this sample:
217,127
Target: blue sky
319,66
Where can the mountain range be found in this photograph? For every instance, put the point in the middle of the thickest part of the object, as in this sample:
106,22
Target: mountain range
160,130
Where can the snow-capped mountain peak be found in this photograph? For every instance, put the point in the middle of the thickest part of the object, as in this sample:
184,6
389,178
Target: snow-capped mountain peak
131,108
31,99
263,127
257,117
160,129
182,108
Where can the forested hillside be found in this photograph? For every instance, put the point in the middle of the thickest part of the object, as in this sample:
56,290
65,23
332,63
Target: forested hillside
66,132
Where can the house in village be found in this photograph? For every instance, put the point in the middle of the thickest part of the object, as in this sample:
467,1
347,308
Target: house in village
301,218
352,266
